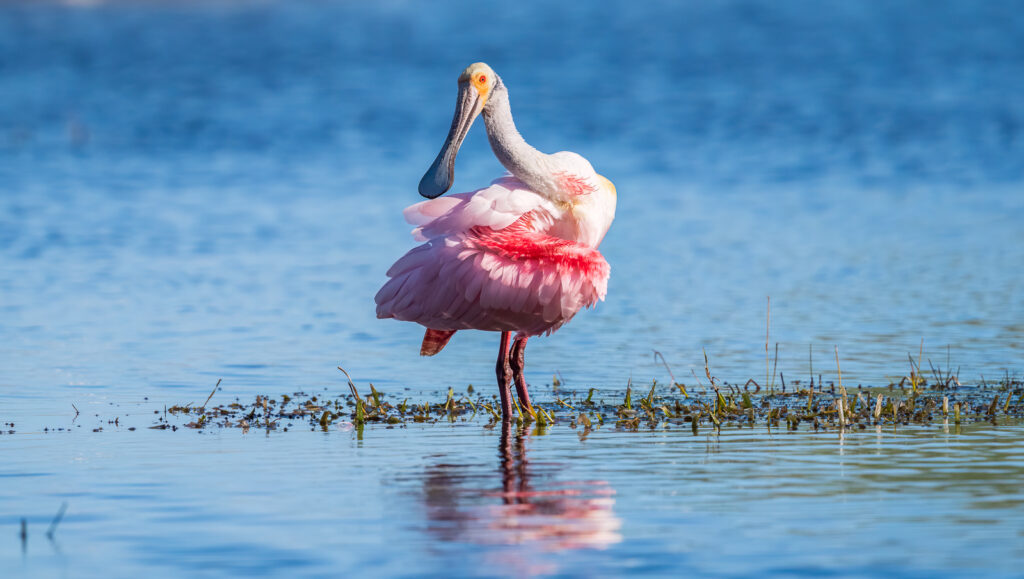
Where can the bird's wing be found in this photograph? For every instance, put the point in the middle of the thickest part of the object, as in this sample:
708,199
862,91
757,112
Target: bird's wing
496,206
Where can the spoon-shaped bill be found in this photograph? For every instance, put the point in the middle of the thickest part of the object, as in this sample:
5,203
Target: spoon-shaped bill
439,177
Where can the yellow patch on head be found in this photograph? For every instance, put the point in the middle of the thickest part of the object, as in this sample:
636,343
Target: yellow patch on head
481,76
608,184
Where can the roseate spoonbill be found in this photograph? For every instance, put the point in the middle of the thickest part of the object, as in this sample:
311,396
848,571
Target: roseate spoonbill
518,256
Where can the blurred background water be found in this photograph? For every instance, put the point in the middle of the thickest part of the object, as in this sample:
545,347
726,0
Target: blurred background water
203,190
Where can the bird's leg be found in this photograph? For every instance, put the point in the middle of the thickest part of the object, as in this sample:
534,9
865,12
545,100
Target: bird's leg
504,372
517,360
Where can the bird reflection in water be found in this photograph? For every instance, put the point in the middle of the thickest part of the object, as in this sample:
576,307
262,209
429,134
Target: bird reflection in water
529,510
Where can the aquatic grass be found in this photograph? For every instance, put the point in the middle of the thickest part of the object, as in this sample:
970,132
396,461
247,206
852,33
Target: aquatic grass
993,405
493,412
376,396
565,404
648,403
723,405
448,401
915,369
827,410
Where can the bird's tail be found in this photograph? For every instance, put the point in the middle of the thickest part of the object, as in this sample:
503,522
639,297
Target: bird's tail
434,341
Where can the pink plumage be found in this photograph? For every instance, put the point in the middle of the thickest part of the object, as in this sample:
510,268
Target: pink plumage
489,263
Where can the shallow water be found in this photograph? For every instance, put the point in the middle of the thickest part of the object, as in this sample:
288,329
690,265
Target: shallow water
463,500
192,192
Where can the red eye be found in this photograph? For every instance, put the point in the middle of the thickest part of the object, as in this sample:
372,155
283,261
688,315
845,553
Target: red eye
482,78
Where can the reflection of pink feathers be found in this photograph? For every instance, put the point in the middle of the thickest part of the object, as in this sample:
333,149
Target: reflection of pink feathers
489,263
556,524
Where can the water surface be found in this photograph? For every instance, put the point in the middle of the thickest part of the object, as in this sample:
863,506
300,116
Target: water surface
202,191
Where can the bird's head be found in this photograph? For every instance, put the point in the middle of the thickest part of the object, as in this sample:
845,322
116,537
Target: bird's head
476,83
480,78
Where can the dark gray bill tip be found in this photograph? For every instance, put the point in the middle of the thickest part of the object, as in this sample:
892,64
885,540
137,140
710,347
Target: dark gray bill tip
436,181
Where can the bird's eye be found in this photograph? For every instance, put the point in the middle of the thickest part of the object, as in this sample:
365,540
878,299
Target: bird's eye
482,79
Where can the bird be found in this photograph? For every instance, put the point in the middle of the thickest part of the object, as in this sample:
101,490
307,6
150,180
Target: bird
518,256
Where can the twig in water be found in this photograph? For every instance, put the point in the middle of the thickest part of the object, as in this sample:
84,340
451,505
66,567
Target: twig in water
76,410
949,368
767,327
24,534
937,374
697,378
56,520
351,386
665,362
203,407
707,371
838,369
775,365
920,354
810,360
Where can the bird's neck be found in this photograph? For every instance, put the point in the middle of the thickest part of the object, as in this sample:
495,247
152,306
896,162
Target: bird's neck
522,160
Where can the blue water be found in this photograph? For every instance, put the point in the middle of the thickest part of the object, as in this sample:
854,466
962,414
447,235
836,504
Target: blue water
201,191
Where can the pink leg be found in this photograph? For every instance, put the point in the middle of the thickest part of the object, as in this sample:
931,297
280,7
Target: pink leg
504,372
517,360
